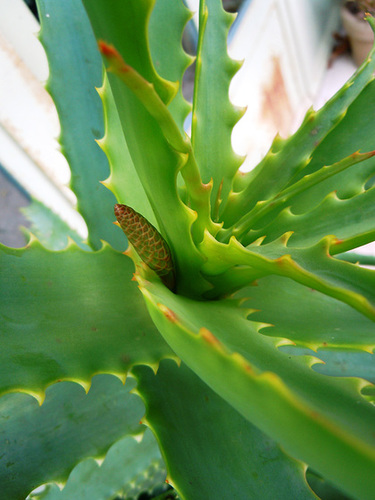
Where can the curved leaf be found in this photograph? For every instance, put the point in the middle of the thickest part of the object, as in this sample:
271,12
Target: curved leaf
79,314
170,64
44,443
227,457
321,420
50,230
130,467
288,160
211,105
313,267
333,216
110,17
158,164
123,181
354,131
308,317
266,211
74,74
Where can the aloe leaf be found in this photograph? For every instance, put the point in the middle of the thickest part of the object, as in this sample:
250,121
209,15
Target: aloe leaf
354,129
130,467
312,267
323,421
227,456
180,146
286,159
44,443
337,362
147,95
357,258
307,317
51,231
108,18
324,489
74,74
340,218
158,164
315,267
60,319
266,211
170,64
211,105
327,322
123,181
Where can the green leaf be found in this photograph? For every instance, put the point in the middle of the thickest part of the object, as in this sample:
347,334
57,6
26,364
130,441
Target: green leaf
307,317
123,181
323,421
323,488
339,362
170,64
51,231
357,258
266,212
129,468
333,216
354,131
288,160
68,315
110,17
211,105
313,267
158,164
75,71
355,128
227,457
44,443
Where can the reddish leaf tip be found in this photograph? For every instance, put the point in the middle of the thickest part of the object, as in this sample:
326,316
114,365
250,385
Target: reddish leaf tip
107,49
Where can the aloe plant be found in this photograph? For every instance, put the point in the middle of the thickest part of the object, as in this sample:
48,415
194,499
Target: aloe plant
226,352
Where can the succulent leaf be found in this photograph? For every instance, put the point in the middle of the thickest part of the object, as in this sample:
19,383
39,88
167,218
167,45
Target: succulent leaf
123,180
62,325
74,74
179,403
44,443
252,393
338,144
49,229
312,266
268,209
157,165
308,318
336,216
211,105
107,18
282,395
146,93
289,158
131,467
171,65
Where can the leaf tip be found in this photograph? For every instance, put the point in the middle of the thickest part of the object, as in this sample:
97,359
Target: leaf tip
107,49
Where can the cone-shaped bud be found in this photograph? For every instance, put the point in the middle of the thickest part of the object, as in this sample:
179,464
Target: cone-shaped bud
148,243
